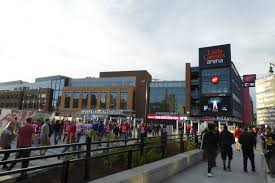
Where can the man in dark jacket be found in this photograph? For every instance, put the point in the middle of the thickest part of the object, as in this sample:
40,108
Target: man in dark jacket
248,141
226,140
210,144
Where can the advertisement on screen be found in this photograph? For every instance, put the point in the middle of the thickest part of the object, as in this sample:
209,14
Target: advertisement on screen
215,56
217,106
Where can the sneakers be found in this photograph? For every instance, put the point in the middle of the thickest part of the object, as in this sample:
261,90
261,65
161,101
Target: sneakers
209,175
229,169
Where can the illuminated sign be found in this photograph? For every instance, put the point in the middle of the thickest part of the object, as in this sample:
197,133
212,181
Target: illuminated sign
215,56
218,106
101,112
215,79
249,80
156,117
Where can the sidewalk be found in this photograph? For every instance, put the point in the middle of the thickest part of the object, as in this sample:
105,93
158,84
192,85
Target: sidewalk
199,172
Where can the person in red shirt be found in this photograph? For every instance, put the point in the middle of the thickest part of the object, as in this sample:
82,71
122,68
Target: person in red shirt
71,137
24,140
237,134
65,129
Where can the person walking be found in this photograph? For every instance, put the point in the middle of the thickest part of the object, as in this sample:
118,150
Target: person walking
237,134
268,146
248,142
44,136
24,140
71,137
226,140
57,132
210,144
7,136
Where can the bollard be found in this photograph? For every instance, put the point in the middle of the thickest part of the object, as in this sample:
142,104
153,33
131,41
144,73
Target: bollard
163,144
130,157
141,144
88,155
197,141
66,166
181,142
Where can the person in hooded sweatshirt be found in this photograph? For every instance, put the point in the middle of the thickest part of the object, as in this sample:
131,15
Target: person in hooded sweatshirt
210,145
226,140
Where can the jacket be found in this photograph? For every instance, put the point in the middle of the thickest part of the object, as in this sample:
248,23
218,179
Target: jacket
210,141
6,138
226,139
248,141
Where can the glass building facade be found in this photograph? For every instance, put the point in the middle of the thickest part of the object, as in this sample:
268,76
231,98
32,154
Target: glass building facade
167,96
56,83
106,82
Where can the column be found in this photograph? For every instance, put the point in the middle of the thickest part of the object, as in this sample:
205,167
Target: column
177,126
184,128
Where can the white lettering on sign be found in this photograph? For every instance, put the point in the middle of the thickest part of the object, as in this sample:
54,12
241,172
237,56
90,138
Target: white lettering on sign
215,61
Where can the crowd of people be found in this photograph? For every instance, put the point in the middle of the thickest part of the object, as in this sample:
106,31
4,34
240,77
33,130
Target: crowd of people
245,140
46,132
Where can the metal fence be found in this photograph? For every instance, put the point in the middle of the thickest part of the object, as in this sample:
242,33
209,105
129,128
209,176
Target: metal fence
138,145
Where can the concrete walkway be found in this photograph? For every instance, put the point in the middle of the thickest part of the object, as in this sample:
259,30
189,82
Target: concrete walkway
198,173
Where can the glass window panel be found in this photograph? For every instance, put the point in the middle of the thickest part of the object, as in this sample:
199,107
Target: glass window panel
103,99
84,99
94,98
76,99
67,99
123,99
113,98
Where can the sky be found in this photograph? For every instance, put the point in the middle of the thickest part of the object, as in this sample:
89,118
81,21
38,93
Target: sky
80,38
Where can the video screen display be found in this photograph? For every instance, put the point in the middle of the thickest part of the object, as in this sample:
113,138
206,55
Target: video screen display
216,106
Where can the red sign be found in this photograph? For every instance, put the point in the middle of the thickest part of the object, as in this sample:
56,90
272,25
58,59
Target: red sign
215,79
166,117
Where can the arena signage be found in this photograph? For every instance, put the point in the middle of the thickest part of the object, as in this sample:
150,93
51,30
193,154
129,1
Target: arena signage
215,56
156,117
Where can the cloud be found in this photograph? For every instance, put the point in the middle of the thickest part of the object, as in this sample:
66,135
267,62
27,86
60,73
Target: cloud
82,38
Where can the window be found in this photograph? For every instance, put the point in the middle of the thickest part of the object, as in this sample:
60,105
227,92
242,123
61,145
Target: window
94,99
67,99
123,99
76,99
84,99
30,105
103,99
113,98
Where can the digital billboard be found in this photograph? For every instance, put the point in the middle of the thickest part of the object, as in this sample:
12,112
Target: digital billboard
215,56
215,82
249,80
215,106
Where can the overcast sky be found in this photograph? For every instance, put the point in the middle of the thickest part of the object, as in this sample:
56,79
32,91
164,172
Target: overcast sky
81,38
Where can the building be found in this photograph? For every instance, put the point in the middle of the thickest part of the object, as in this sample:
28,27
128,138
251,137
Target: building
54,82
37,99
248,114
27,99
265,100
91,96
214,89
11,99
143,80
123,93
166,101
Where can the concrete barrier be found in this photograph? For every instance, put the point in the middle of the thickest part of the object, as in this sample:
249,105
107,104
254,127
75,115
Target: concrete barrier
157,171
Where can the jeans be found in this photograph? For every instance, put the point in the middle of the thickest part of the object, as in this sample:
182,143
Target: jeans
211,156
248,155
57,137
6,155
25,163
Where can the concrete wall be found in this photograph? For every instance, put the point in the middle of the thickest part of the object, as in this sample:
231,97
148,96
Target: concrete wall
156,171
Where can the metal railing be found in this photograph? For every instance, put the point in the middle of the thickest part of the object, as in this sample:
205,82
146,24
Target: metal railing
140,144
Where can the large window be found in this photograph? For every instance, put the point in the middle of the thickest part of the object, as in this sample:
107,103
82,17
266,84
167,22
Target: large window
67,99
103,99
123,99
76,99
113,98
84,99
94,99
